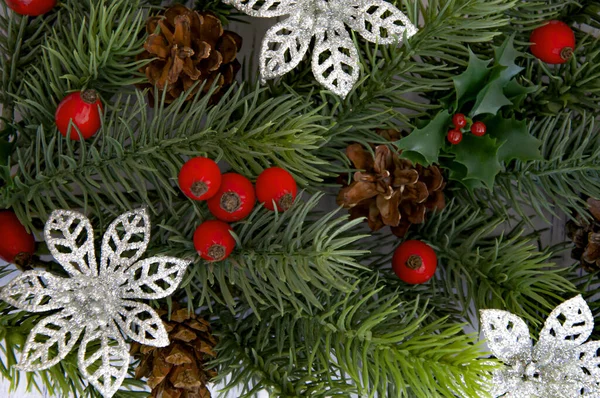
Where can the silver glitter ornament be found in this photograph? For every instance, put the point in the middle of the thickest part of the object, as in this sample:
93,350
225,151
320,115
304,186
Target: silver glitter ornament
560,365
96,300
335,61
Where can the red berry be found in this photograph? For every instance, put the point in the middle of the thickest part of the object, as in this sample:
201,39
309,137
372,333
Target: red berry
276,185
200,178
84,109
31,7
414,262
234,200
553,43
479,129
459,120
213,240
455,136
15,241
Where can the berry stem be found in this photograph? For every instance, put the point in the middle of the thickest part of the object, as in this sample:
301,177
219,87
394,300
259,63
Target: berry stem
198,188
89,96
566,53
231,202
216,252
414,262
286,202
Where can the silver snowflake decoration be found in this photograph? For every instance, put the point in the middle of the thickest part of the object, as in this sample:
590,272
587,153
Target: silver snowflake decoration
96,301
560,365
335,61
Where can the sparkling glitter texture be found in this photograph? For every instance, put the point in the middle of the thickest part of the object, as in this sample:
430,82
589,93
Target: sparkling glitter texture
335,61
560,365
96,301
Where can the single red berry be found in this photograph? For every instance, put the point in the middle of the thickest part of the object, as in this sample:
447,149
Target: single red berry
15,241
455,136
414,262
479,129
32,8
459,120
213,240
84,109
200,178
234,200
553,43
276,186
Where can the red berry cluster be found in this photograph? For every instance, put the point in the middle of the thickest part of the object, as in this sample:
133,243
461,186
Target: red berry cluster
231,197
461,123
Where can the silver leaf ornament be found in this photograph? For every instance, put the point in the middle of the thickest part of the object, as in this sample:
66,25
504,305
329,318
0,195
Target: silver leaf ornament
335,61
97,300
560,365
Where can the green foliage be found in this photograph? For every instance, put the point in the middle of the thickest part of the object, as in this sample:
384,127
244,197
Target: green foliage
281,260
363,343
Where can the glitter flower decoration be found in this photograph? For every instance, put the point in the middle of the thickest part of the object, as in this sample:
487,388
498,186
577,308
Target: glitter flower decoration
97,300
560,365
335,61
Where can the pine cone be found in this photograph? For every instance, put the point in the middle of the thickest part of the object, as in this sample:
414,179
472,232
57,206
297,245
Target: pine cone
585,235
391,191
178,370
187,47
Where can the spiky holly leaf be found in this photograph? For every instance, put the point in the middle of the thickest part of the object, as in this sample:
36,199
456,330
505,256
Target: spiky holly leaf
468,84
506,56
515,140
458,172
490,99
480,156
423,145
517,93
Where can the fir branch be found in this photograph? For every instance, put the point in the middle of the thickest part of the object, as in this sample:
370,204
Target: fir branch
282,260
365,343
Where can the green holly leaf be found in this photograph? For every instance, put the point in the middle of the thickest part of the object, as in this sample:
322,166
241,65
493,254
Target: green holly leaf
480,156
458,172
469,83
490,99
505,56
517,93
423,145
514,138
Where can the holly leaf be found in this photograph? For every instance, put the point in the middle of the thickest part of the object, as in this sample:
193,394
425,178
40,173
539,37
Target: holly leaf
480,156
423,145
514,138
468,83
490,99
506,56
458,172
517,93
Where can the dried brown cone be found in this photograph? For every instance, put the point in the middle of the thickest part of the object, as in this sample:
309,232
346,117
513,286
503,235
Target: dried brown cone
189,47
585,234
178,370
390,191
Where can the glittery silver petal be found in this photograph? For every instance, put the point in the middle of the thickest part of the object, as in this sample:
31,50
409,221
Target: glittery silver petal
569,325
264,8
141,323
587,363
154,278
49,342
103,359
379,21
70,238
33,291
335,59
285,44
507,336
125,241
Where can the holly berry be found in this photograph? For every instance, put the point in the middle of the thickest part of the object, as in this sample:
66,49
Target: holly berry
15,242
553,43
455,136
479,129
84,109
32,8
414,262
213,240
200,178
459,120
276,186
234,200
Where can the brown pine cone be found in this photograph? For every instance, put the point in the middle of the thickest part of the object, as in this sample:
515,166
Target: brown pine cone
391,191
189,47
585,234
178,370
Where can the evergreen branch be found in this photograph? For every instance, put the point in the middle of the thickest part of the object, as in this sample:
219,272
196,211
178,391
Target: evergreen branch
365,342
280,261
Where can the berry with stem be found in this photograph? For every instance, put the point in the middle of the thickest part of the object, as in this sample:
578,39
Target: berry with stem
276,187
213,240
234,200
414,262
32,8
200,178
84,110
553,43
16,244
